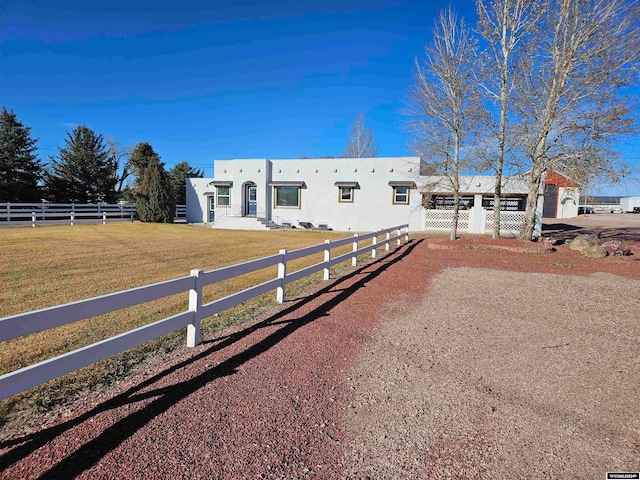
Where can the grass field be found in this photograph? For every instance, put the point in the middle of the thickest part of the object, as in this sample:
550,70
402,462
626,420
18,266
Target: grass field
42,267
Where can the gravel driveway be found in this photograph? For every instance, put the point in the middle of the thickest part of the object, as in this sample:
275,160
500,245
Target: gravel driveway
513,382
441,363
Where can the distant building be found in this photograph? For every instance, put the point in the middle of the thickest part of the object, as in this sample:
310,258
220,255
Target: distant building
599,204
561,196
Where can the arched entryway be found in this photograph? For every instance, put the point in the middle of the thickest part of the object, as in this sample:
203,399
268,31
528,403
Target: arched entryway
250,199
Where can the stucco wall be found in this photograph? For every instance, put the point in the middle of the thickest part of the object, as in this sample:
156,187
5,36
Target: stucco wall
372,207
196,200
242,172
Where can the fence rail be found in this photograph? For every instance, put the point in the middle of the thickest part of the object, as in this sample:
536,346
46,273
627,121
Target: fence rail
181,211
31,322
40,213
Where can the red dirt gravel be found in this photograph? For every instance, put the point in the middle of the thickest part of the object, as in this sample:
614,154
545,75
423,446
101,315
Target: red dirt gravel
267,399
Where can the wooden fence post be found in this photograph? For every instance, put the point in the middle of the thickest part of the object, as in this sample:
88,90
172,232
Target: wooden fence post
399,241
354,259
282,273
406,237
374,242
8,212
195,305
386,245
33,219
327,259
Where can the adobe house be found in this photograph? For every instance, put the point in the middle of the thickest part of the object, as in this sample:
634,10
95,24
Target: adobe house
344,194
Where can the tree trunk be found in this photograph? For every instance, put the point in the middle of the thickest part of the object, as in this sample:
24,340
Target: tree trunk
501,142
532,201
456,213
496,201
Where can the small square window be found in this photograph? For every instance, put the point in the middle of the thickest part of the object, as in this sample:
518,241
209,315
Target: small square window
400,195
345,194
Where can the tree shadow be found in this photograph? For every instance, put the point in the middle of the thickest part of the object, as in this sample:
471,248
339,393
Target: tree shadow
559,228
109,439
563,231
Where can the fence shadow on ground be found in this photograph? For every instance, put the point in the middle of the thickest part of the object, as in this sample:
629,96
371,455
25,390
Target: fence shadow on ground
91,452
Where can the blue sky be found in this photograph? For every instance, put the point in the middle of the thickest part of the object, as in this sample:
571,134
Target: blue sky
204,80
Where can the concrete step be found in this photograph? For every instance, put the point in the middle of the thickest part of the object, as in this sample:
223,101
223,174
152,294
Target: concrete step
270,224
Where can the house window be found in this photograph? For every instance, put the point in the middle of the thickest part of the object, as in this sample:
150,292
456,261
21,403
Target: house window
223,196
345,194
346,191
400,195
286,196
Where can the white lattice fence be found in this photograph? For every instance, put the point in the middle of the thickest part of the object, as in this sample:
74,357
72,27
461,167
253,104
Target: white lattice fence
510,222
441,221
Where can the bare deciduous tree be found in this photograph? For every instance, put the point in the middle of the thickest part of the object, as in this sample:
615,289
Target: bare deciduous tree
445,103
361,143
505,25
121,156
571,102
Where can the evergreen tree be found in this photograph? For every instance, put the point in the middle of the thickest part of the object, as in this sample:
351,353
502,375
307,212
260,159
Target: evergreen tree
155,199
20,169
85,172
152,192
140,158
178,175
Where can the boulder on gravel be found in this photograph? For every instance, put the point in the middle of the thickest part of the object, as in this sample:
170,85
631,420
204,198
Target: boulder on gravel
584,241
589,246
616,247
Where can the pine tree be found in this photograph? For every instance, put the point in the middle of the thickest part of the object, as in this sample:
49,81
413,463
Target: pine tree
20,169
178,175
140,157
85,172
155,199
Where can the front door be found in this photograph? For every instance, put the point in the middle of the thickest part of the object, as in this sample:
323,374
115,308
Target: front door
212,211
252,201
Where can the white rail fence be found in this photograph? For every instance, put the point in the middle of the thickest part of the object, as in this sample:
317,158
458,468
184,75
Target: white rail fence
181,211
40,213
39,320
